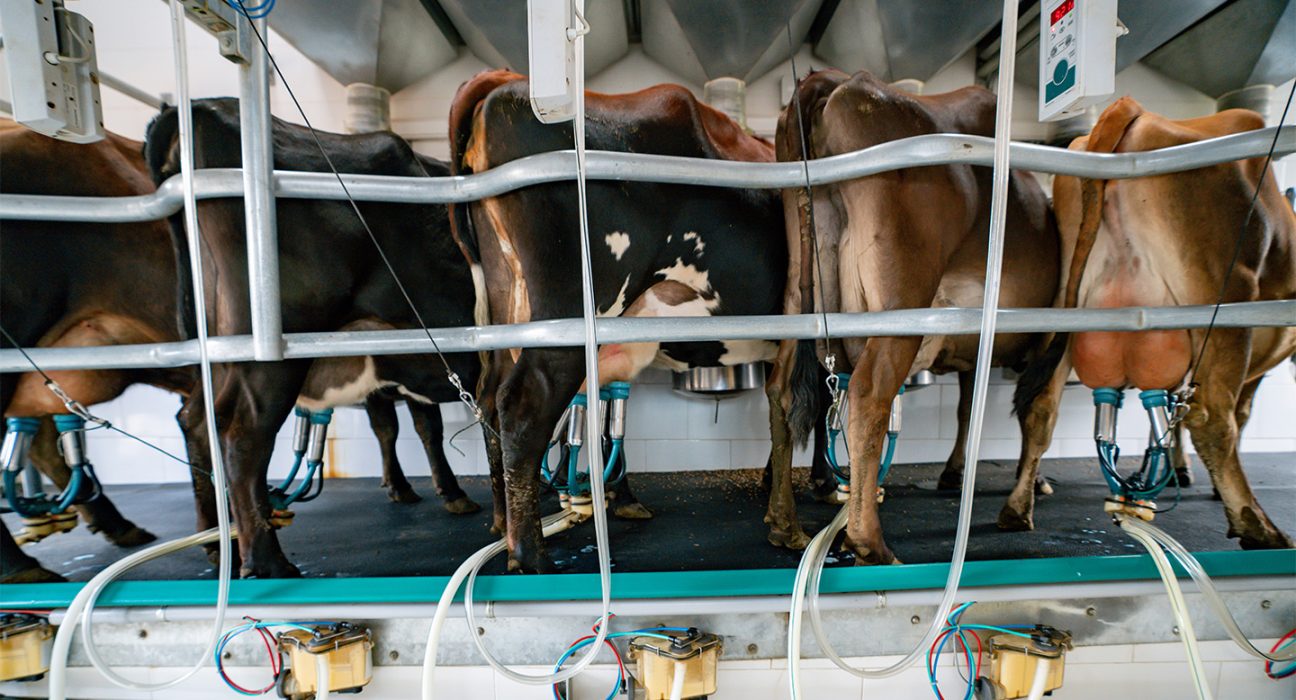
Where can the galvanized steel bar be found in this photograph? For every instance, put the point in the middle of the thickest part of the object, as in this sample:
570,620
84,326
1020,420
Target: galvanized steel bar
570,333
258,200
558,166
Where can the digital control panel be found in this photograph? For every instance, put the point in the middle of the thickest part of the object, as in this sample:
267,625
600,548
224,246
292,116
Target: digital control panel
1077,55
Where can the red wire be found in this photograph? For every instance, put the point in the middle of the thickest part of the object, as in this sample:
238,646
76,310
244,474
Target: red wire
25,612
608,643
269,645
1277,645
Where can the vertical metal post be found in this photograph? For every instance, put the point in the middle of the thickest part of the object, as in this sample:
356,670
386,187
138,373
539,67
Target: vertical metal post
258,201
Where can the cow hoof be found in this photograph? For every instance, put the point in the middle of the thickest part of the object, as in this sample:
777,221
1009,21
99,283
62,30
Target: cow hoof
866,556
133,536
632,511
282,569
826,492
462,505
795,539
1011,520
1184,477
404,494
949,480
36,574
1043,487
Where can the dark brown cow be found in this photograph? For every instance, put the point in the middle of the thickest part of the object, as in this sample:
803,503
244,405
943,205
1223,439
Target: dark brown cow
1167,240
332,279
905,239
65,285
666,250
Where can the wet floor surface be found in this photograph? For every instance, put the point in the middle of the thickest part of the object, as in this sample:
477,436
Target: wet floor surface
703,520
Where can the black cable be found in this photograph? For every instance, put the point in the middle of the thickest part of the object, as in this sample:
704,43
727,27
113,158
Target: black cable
51,384
1241,237
805,167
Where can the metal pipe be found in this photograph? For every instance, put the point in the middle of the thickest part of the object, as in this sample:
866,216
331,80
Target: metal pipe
570,333
559,166
258,202
129,90
648,607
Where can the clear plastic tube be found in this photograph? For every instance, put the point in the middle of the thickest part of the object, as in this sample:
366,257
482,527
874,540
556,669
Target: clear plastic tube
812,560
1208,591
82,608
1178,606
551,525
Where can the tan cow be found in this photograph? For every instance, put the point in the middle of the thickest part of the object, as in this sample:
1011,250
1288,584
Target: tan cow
1168,240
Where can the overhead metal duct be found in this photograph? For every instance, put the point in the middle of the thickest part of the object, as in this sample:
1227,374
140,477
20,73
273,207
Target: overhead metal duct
1249,42
741,39
387,43
496,31
1151,24
899,39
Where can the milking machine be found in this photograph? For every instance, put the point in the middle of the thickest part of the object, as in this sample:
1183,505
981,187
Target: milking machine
309,440
45,514
567,479
838,383
1134,494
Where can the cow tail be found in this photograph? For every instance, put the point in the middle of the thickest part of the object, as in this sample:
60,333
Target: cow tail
161,154
1106,136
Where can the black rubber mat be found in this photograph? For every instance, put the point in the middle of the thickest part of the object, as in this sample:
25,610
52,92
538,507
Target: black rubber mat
704,520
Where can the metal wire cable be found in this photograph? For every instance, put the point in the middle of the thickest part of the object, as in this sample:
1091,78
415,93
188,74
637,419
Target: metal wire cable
464,396
1241,237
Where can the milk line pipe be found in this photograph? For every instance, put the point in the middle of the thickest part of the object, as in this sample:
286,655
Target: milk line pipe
683,607
570,333
560,166
262,232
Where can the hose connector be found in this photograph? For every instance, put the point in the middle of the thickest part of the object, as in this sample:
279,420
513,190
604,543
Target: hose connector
618,399
1107,402
576,421
301,429
319,423
1157,404
17,442
71,428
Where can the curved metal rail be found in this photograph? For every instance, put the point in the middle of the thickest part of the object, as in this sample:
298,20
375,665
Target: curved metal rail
571,333
560,166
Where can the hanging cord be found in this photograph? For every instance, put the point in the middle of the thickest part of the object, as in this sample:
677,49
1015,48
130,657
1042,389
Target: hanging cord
1237,253
835,392
78,409
465,396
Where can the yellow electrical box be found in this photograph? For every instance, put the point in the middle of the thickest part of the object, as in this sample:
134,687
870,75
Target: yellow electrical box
657,661
1015,660
25,642
342,650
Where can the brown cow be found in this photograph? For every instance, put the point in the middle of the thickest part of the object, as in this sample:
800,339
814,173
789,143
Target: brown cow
1168,240
905,239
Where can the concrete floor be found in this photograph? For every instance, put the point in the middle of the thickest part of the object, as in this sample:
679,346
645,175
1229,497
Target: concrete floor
704,520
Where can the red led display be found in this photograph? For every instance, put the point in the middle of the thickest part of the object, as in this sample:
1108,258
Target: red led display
1061,11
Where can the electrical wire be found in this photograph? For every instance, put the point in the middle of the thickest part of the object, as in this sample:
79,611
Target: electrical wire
82,606
1283,642
812,562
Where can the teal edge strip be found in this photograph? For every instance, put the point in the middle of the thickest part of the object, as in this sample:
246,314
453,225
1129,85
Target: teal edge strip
644,585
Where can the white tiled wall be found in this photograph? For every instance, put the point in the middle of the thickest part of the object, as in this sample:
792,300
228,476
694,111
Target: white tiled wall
1147,671
665,432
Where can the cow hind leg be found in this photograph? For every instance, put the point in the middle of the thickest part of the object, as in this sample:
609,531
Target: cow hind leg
780,514
1037,423
386,427
101,516
1213,424
952,478
492,374
193,427
431,430
624,503
530,401
1179,458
